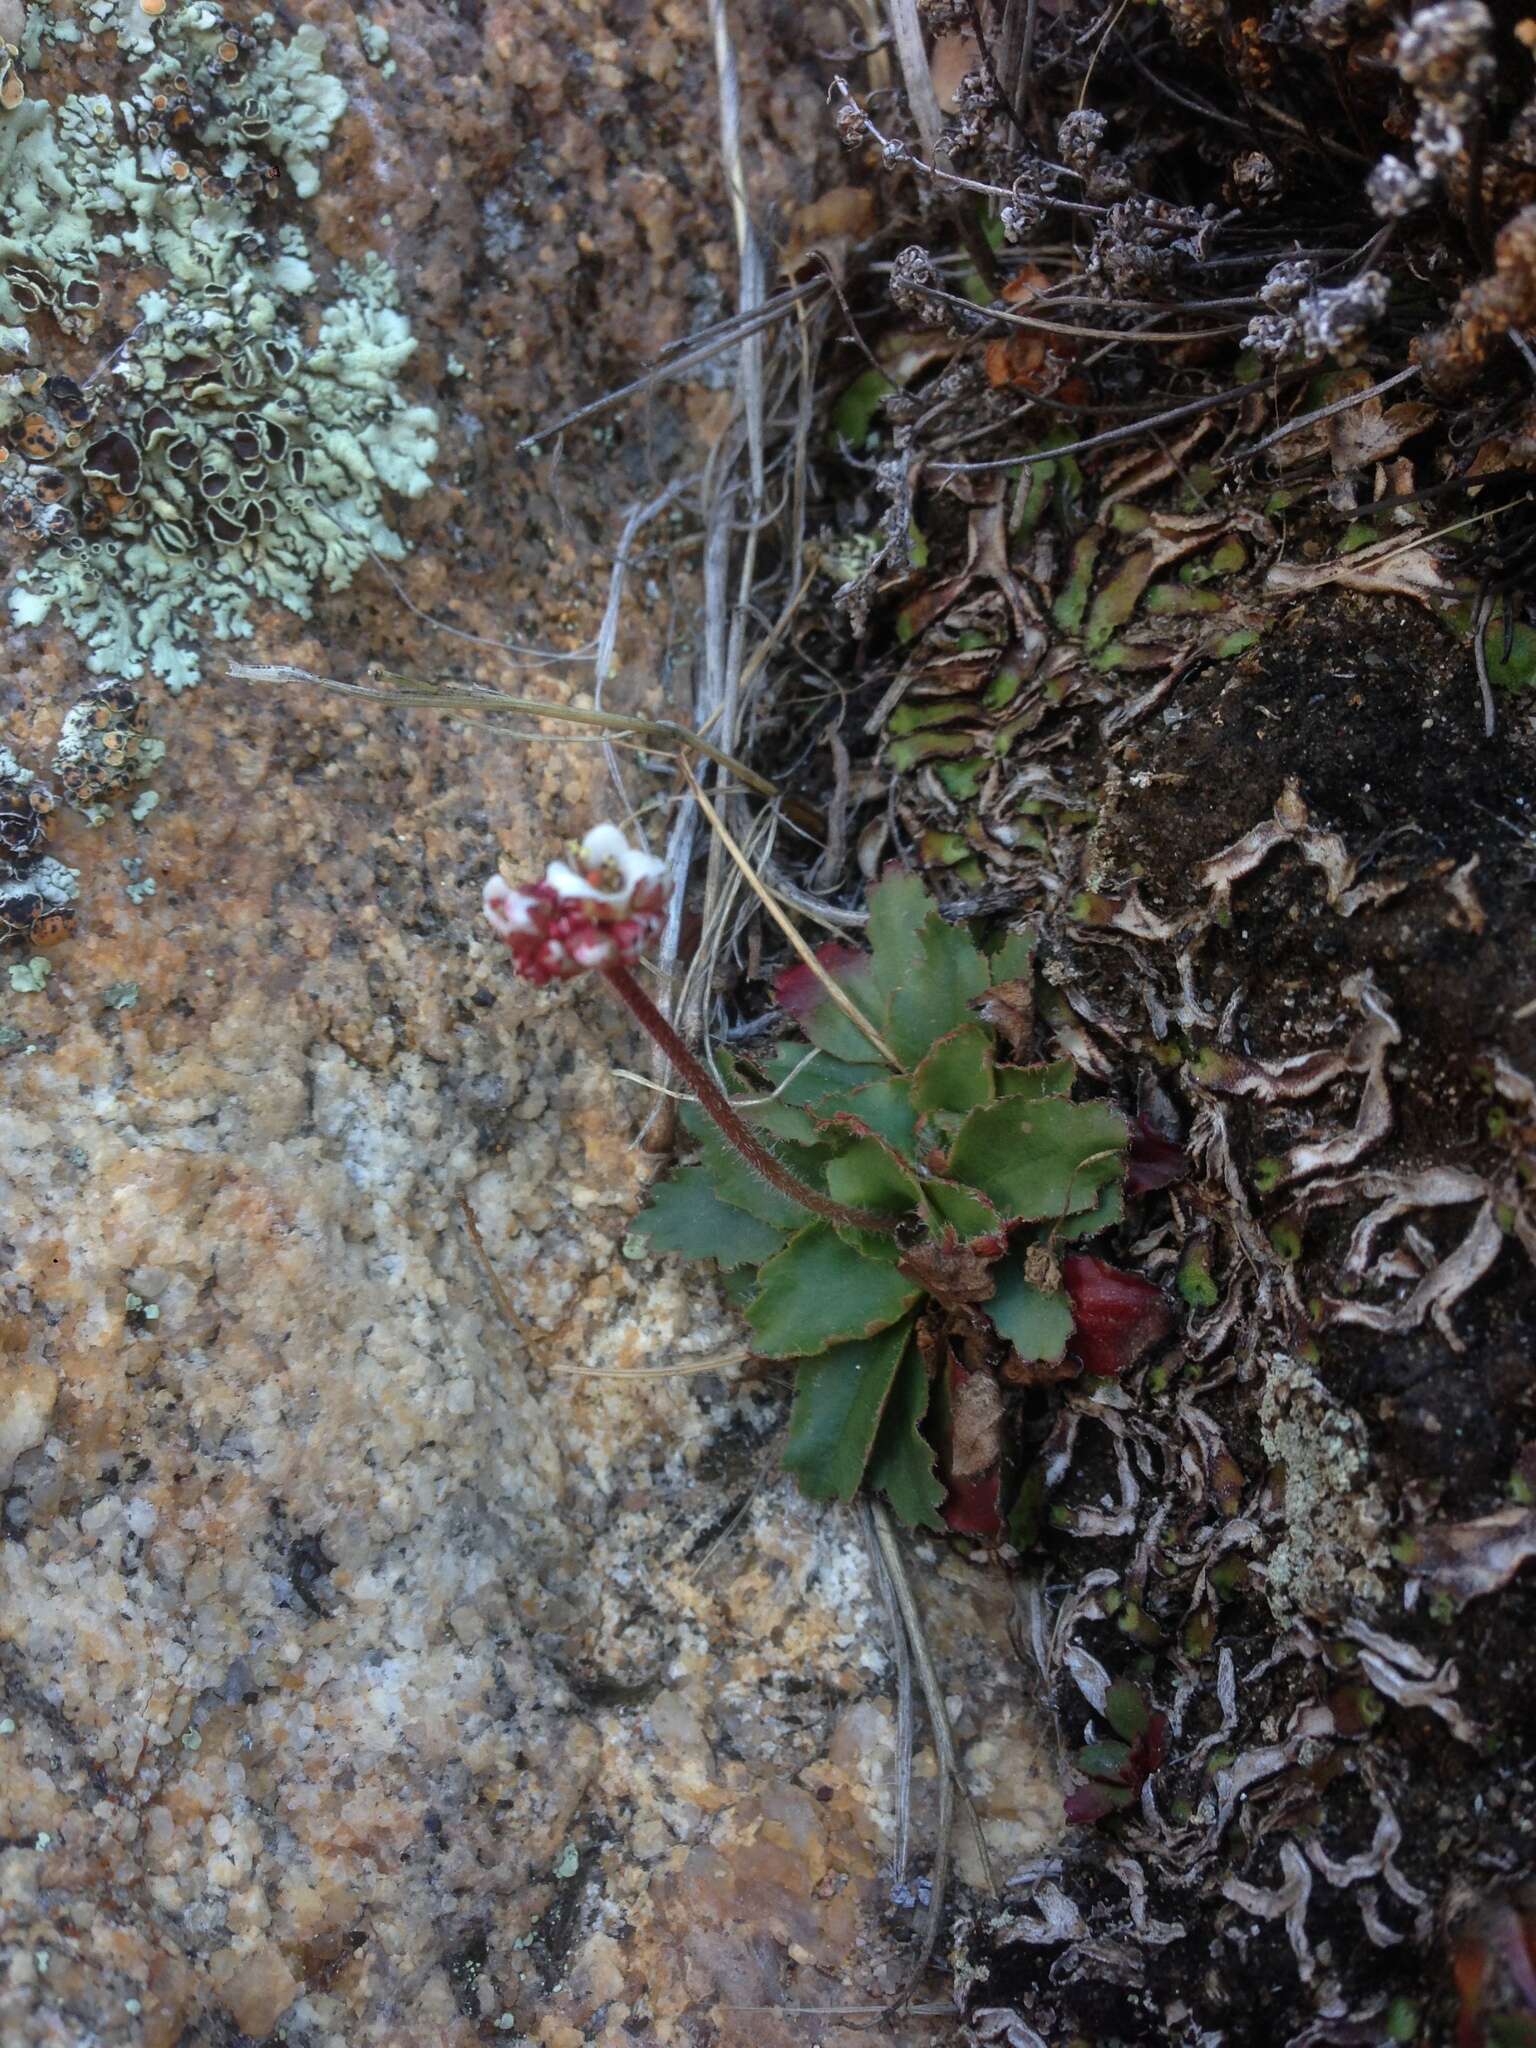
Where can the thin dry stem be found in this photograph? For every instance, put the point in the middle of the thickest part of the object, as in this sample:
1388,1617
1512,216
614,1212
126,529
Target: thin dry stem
728,334
533,1338
878,1523
1310,419
849,1008
712,1100
916,72
466,697
903,1655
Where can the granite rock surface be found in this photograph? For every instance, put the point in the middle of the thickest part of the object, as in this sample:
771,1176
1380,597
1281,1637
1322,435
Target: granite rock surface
373,1671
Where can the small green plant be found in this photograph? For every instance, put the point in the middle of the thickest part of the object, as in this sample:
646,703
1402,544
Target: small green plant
887,1196
1117,1769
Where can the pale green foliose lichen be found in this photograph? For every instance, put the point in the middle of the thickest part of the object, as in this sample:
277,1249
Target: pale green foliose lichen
239,443
374,38
29,977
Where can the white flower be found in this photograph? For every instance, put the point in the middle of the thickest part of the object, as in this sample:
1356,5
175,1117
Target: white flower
508,910
600,916
605,850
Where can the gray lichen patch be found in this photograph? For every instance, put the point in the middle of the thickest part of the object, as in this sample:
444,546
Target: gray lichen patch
105,744
1331,1554
36,890
240,441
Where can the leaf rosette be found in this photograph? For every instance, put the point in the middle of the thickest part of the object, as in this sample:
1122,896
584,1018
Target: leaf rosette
906,1341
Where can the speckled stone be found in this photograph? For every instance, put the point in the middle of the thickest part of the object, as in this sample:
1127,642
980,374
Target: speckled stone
370,1676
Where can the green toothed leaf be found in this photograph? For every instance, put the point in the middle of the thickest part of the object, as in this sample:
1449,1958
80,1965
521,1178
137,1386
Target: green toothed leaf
899,906
686,1215
885,1107
901,1464
783,1121
936,998
1038,1159
833,1029
804,1082
839,1400
1038,1325
820,1291
1031,1083
869,1175
1107,1210
961,1209
779,1119
927,971
957,1072
1012,958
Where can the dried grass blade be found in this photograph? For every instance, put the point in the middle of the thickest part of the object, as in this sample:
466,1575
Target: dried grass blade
849,1008
714,1361
428,697
733,331
916,73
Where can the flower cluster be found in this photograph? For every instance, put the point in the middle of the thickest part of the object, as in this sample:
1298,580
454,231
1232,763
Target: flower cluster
602,912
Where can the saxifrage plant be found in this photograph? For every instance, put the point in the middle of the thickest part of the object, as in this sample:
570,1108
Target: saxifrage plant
890,1197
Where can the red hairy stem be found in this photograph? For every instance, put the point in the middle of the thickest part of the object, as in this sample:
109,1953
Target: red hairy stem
736,1133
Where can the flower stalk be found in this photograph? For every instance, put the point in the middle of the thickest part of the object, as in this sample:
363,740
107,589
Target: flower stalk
598,916
713,1101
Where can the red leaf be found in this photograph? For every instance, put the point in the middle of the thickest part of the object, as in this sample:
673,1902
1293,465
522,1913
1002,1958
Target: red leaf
1150,1749
1090,1803
1154,1161
1117,1316
797,988
1470,1961
972,1508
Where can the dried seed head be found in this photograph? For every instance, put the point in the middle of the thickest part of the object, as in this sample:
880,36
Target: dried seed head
1287,281
1271,334
912,277
1254,177
1080,138
1443,52
848,119
1395,189
1329,320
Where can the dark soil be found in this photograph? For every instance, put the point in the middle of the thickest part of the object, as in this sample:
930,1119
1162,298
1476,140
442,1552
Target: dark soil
1373,712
